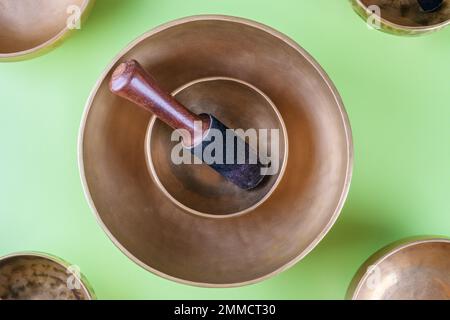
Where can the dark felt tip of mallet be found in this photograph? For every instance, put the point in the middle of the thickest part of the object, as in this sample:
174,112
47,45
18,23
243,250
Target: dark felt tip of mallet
430,5
132,82
246,176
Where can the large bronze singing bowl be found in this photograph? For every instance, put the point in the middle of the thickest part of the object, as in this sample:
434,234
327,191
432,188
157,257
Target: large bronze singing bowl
29,28
403,17
37,276
407,270
158,234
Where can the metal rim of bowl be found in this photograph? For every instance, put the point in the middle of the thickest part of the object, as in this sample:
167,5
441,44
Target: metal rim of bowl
158,182
86,286
381,255
393,25
284,38
50,43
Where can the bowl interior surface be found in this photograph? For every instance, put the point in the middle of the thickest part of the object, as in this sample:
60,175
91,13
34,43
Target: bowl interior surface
408,12
198,187
26,24
158,234
417,272
30,277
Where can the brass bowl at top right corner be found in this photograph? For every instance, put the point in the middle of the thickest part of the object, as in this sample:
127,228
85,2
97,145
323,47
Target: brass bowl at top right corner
403,17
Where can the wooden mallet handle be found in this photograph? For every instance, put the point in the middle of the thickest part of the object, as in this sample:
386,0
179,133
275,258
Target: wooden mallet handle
132,82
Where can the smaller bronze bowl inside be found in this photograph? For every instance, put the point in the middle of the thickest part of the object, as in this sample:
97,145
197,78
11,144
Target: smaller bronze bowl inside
417,269
404,17
196,188
37,276
29,28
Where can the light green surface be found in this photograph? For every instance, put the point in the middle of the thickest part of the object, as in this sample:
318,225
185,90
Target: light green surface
396,91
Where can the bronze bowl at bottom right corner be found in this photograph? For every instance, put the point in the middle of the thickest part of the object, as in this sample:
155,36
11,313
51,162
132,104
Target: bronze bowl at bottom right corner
411,269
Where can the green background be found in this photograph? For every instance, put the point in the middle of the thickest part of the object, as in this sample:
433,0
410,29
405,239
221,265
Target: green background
396,91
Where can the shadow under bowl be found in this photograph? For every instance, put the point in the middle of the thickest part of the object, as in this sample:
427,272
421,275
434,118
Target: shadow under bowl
417,269
242,249
36,276
29,28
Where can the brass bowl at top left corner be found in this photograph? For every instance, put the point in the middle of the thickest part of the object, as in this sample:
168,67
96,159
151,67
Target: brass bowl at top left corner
30,28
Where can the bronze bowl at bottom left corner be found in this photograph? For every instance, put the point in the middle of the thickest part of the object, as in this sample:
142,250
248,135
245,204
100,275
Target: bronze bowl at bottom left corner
38,276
